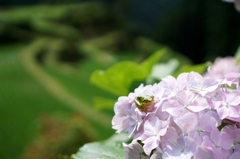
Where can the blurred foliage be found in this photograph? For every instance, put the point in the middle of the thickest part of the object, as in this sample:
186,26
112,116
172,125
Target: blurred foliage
58,136
22,100
43,20
49,72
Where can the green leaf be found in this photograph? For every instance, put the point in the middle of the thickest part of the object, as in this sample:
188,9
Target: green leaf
161,70
119,137
109,149
101,150
200,68
103,103
119,78
149,45
153,59
237,55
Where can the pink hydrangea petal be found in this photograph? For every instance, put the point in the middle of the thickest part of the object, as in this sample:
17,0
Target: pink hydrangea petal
233,98
149,145
199,105
173,108
203,153
187,122
235,155
225,141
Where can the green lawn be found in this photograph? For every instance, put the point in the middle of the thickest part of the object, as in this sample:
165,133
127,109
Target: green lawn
22,101
78,82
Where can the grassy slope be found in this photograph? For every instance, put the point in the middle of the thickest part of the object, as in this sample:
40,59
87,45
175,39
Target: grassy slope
78,82
22,100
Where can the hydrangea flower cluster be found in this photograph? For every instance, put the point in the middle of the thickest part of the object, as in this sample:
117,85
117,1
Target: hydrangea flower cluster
188,117
222,66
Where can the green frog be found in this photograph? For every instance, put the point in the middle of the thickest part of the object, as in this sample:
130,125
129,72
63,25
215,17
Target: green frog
143,101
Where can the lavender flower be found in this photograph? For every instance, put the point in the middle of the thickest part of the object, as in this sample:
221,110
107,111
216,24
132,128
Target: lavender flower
236,2
191,116
222,66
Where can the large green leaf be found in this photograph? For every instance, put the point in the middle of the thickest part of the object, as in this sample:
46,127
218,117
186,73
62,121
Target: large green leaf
100,150
119,78
103,103
153,59
109,149
237,55
149,45
200,68
161,70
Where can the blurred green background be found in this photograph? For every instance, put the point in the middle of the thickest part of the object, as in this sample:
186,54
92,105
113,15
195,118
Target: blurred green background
49,49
